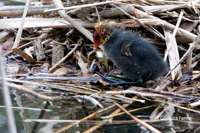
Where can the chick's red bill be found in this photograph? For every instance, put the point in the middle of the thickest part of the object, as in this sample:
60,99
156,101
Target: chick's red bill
96,40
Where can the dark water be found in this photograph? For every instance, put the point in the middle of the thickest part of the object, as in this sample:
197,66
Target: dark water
60,110
70,109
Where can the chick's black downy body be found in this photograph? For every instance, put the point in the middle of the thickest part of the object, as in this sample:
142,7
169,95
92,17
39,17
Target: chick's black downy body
136,58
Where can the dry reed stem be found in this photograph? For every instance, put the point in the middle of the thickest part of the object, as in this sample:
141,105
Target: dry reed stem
122,113
79,6
194,44
147,126
85,118
101,123
6,96
150,29
185,34
12,11
189,66
188,109
20,47
194,104
24,89
131,99
105,120
70,88
185,4
173,55
18,37
80,28
63,59
174,94
174,33
155,115
143,94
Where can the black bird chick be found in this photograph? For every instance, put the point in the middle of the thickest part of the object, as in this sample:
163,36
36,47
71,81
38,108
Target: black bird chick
136,58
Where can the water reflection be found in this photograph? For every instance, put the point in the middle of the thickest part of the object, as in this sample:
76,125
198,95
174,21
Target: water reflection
29,112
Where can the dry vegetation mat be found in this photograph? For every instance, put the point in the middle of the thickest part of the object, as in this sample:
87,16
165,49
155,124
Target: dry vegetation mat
49,46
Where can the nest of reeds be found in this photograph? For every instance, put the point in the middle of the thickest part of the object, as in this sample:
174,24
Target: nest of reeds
49,45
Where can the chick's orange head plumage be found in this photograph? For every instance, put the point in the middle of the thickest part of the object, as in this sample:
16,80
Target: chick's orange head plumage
101,34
